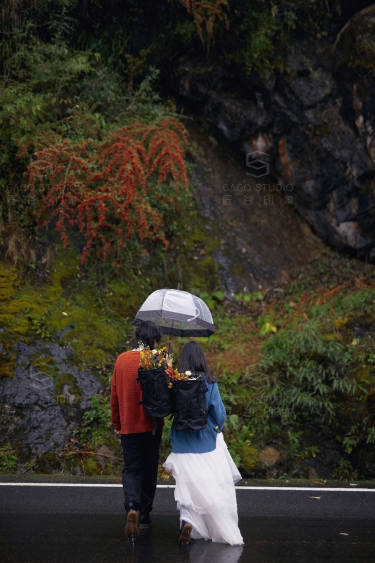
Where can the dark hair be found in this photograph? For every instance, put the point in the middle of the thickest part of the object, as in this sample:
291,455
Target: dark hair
147,332
193,358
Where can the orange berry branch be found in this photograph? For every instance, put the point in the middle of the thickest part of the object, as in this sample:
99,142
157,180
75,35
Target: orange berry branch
110,190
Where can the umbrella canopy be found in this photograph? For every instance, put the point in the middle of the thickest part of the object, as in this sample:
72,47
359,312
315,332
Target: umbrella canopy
177,312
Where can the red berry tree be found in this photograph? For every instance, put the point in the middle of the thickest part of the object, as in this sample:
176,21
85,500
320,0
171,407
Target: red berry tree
116,192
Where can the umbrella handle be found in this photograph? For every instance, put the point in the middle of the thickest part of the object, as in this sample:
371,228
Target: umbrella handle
193,318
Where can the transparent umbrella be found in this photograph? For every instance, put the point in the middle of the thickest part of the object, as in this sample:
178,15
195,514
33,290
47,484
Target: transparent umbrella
177,312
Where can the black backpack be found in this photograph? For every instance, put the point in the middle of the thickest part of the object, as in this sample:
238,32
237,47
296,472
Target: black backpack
156,395
189,402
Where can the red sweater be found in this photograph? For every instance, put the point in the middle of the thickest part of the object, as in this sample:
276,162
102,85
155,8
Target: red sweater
126,414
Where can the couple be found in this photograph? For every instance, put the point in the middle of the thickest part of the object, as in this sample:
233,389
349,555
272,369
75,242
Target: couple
199,462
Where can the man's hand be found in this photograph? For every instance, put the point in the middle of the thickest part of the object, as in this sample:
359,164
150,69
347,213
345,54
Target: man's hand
118,432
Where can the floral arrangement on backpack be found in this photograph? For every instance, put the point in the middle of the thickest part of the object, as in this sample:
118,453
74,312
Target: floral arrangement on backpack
151,359
175,375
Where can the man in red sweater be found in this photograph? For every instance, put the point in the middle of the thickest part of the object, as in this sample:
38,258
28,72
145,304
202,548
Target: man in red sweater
140,446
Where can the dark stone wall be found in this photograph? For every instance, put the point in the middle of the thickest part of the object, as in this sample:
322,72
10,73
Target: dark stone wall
313,124
38,414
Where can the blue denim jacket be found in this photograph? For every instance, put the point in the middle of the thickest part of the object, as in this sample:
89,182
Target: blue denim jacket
200,441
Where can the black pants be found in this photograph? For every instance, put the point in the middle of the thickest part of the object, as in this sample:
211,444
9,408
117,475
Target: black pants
139,476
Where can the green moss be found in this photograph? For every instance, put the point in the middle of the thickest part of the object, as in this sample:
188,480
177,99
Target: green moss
95,336
8,282
249,458
95,315
124,297
9,306
194,265
91,466
45,364
25,308
67,382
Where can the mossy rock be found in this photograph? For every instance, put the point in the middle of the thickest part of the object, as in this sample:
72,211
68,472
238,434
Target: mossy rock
25,308
67,390
45,364
7,369
196,266
91,467
249,458
41,310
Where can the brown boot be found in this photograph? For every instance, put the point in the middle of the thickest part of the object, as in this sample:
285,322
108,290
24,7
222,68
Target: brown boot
185,533
131,526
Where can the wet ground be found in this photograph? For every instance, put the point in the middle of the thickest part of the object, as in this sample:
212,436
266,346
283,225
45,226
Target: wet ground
99,538
84,522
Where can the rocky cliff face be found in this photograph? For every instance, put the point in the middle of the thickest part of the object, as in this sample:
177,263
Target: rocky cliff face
259,237
44,400
310,127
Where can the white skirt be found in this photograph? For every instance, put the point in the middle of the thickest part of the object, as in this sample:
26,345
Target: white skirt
205,492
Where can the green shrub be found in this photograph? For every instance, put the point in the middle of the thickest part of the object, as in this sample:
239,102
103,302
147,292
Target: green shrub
302,386
96,423
8,459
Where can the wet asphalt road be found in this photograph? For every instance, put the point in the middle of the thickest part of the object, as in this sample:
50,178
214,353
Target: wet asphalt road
85,524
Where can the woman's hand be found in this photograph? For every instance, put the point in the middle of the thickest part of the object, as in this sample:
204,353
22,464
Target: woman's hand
169,360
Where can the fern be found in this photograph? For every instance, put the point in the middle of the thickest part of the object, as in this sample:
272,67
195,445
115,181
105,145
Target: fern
62,25
304,382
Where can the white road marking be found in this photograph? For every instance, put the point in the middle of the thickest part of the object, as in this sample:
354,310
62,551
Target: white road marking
115,485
